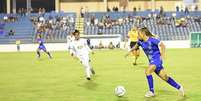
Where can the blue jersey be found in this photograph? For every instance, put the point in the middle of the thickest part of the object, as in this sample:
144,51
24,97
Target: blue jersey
151,49
40,41
152,52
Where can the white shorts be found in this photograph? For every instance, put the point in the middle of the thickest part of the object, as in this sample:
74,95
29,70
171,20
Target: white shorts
84,59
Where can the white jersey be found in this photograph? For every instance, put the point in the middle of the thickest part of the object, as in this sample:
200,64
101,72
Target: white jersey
70,39
80,47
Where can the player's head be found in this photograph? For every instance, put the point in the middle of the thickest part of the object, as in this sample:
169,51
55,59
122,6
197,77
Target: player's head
144,32
77,34
135,28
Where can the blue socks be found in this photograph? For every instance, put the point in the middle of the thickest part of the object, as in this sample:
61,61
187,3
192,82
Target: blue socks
150,82
173,83
169,81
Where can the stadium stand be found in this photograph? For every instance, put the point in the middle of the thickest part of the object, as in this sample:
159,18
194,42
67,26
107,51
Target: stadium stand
167,27
56,26
26,27
21,27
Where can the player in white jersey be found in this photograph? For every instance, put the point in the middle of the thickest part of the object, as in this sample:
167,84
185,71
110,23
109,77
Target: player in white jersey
82,52
70,40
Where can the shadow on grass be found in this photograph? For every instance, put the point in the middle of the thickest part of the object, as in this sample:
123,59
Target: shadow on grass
140,66
157,99
90,85
183,98
165,92
122,99
152,99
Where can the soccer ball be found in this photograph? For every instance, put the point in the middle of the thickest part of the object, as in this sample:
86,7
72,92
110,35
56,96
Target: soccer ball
120,91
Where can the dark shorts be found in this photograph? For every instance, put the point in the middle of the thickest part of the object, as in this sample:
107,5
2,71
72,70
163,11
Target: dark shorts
132,44
159,65
42,47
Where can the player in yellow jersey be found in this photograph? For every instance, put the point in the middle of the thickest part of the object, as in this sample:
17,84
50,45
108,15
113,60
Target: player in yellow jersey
18,42
133,38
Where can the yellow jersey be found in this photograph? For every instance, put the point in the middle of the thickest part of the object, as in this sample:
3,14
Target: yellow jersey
17,42
133,35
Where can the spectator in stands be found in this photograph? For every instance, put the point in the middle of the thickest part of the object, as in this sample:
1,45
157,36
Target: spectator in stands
198,20
108,9
19,11
82,12
134,9
196,7
161,12
5,18
181,22
139,8
11,33
177,8
115,9
186,10
92,20
23,12
111,46
18,42
100,46
182,9
40,11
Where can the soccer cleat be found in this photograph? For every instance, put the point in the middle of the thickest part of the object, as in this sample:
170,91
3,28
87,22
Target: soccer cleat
88,78
149,94
50,57
181,90
134,64
38,57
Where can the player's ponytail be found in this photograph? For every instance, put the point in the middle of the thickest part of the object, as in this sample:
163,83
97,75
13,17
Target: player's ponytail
147,32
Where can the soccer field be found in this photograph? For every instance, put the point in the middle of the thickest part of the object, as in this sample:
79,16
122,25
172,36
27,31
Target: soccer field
23,77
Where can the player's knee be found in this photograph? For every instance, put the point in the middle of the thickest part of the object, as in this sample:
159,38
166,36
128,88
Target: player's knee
164,77
147,72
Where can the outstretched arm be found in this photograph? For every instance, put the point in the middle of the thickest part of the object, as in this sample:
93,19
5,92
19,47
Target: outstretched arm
162,50
132,49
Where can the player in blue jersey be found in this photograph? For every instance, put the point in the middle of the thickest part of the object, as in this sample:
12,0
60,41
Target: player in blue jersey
42,47
155,52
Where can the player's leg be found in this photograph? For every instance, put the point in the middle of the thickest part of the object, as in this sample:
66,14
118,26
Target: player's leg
48,53
45,50
72,52
91,68
136,54
148,73
38,52
18,48
85,62
163,75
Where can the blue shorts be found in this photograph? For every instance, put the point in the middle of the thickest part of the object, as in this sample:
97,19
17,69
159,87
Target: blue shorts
42,47
159,65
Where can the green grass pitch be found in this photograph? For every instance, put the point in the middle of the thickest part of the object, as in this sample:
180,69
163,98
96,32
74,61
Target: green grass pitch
23,77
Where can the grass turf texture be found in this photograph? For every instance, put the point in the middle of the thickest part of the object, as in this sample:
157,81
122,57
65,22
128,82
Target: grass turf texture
23,77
